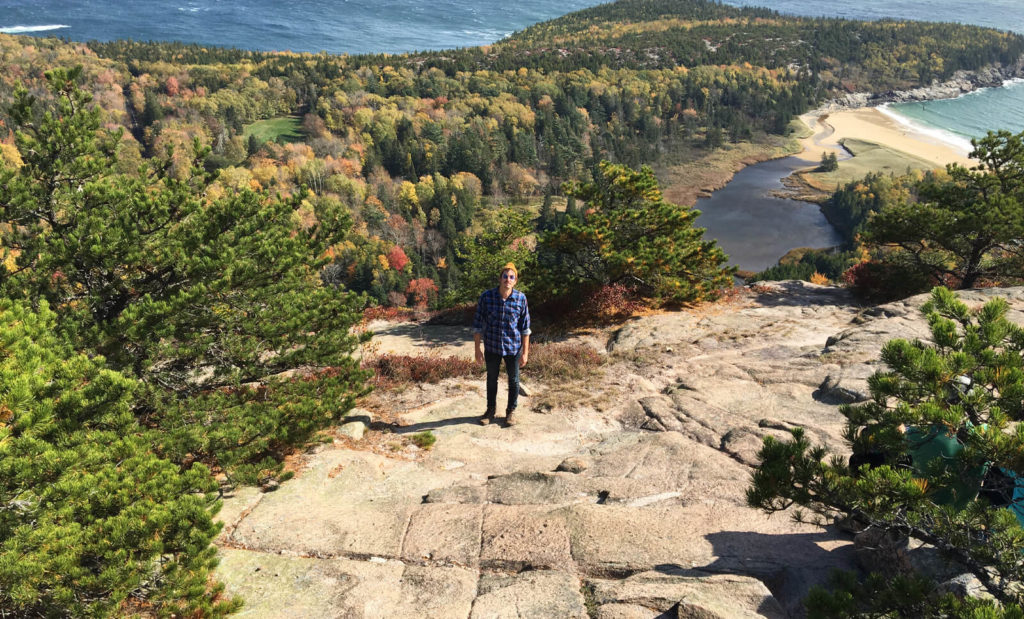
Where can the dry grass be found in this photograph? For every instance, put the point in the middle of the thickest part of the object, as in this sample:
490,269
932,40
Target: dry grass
697,172
562,362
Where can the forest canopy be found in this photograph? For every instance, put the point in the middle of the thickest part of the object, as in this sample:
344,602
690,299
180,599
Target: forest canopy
418,147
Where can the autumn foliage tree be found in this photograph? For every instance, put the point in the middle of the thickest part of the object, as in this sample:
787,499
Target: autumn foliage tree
397,258
422,292
630,235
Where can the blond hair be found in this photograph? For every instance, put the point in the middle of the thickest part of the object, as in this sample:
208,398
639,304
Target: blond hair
511,266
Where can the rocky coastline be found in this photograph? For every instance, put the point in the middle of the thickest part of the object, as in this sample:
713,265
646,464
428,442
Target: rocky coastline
962,82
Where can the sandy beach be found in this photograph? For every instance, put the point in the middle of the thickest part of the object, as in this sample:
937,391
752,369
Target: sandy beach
872,125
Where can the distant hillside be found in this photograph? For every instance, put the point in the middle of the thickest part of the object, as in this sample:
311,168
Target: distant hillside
841,53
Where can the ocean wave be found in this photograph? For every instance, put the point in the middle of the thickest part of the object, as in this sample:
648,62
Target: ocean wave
1013,82
945,136
27,29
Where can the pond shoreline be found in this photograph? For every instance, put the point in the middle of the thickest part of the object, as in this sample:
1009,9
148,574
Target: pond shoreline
753,215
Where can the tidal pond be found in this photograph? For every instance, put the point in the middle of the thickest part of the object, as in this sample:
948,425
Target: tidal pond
756,228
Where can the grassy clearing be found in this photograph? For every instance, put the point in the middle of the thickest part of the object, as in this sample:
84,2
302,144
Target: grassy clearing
867,157
280,129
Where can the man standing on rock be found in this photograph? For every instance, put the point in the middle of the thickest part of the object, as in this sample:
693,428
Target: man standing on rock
502,325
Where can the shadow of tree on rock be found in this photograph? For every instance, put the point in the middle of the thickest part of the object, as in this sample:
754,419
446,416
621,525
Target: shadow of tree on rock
423,335
796,293
788,564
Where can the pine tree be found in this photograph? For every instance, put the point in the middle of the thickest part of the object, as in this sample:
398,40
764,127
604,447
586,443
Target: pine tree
482,257
89,515
969,226
217,307
962,392
572,212
630,235
547,212
829,162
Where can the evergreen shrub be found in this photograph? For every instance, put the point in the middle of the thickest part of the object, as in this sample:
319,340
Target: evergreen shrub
91,519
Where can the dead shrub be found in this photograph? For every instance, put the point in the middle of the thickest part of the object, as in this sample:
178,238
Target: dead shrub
597,306
562,362
455,315
611,303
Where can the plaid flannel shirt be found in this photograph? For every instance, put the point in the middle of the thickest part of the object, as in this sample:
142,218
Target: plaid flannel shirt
502,322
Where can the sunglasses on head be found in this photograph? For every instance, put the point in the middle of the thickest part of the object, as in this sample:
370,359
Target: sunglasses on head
508,276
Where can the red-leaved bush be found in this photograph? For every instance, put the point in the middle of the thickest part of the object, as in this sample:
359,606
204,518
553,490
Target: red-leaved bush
397,258
421,292
394,370
386,312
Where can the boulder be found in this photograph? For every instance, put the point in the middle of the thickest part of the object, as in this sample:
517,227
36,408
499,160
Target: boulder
572,465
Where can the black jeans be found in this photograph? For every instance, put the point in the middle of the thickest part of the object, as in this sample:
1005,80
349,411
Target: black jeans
493,361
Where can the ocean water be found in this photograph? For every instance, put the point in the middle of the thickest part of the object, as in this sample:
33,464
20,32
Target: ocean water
335,26
1001,14
954,121
958,120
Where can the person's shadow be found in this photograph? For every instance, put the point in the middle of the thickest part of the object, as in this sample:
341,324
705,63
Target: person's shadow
423,426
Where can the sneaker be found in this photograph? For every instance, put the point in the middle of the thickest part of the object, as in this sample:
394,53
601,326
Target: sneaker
510,419
487,418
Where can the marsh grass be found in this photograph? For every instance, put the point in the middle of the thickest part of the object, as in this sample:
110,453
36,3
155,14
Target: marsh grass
867,157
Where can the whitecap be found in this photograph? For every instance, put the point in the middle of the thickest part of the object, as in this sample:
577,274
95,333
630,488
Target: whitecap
944,136
25,29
